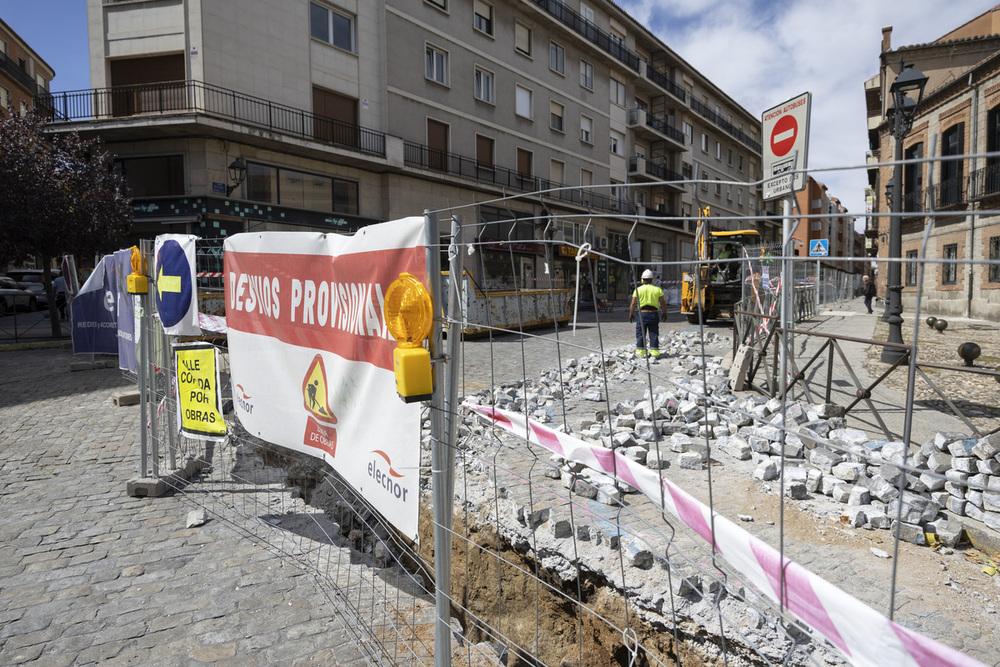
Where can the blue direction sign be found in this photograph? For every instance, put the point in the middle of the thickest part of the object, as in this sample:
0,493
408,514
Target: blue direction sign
173,283
819,247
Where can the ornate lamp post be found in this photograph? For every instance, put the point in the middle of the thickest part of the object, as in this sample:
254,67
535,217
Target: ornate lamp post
900,117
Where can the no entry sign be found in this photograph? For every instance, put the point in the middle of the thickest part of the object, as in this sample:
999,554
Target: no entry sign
783,135
786,144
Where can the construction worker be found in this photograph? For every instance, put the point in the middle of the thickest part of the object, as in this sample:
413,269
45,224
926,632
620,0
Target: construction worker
730,266
650,299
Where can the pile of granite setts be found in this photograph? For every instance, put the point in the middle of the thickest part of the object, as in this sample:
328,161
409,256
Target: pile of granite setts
804,450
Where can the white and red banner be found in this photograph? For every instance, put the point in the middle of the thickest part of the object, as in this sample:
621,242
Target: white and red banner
311,358
866,637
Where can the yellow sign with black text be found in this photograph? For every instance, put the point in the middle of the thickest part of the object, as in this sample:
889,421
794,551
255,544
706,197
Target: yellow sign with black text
198,399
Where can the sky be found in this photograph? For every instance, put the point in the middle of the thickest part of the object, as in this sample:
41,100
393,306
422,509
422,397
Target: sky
760,52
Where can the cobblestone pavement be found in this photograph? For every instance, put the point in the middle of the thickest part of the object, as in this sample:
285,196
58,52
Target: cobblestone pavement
90,575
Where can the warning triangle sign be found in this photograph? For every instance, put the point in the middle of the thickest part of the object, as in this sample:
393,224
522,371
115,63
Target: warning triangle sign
315,394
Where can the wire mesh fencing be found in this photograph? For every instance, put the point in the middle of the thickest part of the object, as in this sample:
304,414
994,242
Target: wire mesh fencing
612,508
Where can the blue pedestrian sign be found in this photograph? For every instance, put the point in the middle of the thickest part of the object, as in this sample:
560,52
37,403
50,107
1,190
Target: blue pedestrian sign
173,283
819,247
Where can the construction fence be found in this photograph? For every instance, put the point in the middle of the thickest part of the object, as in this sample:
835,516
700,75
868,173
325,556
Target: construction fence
580,505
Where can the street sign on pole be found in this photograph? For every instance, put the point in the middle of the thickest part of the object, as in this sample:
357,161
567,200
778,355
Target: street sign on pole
786,146
819,248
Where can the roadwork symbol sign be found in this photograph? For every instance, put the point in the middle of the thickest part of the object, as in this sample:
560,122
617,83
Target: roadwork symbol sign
786,146
819,248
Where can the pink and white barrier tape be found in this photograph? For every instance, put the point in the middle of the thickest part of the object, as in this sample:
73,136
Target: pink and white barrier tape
212,323
865,636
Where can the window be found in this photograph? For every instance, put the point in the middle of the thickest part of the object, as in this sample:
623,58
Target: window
557,171
718,186
332,27
522,102
617,143
949,270
484,152
586,75
913,179
730,160
157,176
994,273
557,58
688,132
4,98
951,170
556,112
524,160
617,92
911,267
288,187
522,38
484,85
729,193
686,170
739,196
586,13
705,178
482,17
718,150
704,142
437,65
991,182
739,162
586,129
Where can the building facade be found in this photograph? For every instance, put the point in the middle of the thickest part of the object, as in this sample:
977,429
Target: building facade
23,74
346,112
958,116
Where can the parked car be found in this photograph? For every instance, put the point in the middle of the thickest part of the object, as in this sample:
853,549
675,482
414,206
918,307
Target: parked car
32,279
14,296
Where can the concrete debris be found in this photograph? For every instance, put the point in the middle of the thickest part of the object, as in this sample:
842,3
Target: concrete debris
195,518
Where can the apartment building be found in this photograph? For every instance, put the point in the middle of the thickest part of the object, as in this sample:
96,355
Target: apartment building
958,116
23,74
334,114
824,218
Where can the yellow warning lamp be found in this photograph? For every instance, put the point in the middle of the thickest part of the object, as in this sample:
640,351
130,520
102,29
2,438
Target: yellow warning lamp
137,283
409,314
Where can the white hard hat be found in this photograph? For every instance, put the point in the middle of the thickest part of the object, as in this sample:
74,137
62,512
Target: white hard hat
647,275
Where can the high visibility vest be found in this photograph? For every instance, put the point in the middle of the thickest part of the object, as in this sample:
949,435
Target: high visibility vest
648,295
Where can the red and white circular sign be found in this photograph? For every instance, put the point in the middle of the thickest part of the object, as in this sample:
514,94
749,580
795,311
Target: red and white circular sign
783,135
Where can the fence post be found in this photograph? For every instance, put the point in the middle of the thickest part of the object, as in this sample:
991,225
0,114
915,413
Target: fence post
442,458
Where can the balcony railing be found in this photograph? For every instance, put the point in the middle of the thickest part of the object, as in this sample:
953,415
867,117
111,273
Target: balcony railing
418,155
660,79
19,75
985,182
703,110
655,168
199,97
589,31
656,123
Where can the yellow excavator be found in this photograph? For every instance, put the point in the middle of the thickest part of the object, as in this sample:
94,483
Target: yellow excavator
718,285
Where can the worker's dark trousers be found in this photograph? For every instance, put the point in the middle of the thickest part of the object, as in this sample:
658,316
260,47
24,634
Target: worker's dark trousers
647,323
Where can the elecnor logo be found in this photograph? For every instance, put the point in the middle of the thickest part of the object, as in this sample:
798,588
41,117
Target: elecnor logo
243,400
384,478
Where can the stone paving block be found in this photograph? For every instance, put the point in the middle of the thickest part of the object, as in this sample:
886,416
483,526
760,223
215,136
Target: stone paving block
939,462
987,447
842,492
908,532
125,398
849,472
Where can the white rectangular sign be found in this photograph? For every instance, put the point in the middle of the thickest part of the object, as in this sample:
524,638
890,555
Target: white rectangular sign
311,358
785,129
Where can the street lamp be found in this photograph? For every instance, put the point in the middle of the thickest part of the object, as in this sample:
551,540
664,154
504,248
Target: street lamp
237,173
900,116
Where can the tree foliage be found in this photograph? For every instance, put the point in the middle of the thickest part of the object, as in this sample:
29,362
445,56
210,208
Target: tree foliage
59,194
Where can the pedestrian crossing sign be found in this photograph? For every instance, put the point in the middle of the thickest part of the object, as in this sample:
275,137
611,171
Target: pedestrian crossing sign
819,247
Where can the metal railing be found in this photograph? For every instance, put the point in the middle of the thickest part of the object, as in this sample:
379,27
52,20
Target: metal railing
424,157
589,31
657,123
703,110
984,182
661,79
19,75
654,168
199,97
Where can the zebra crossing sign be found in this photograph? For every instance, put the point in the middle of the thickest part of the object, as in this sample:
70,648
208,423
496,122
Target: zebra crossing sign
819,248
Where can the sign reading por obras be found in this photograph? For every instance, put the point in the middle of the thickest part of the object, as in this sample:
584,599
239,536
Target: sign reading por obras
199,402
786,146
